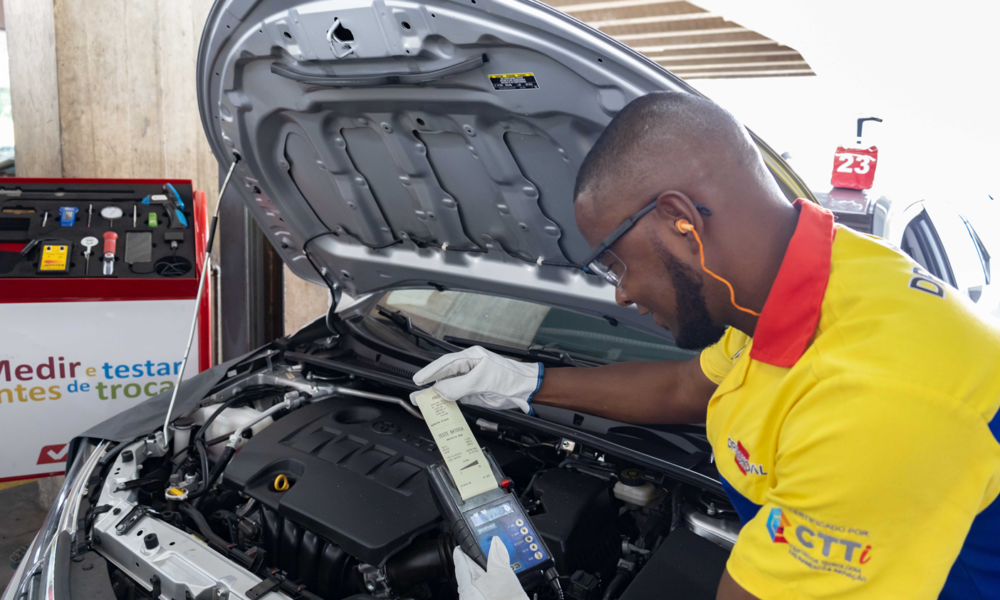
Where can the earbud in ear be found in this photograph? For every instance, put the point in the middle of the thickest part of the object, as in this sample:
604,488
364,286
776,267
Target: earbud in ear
683,226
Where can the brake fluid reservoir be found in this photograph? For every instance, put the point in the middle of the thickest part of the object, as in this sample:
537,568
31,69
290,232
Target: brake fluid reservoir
226,423
182,434
632,488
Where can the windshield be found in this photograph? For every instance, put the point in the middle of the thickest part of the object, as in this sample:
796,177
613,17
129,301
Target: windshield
519,324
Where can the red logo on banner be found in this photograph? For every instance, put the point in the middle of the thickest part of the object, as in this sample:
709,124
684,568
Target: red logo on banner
53,454
854,168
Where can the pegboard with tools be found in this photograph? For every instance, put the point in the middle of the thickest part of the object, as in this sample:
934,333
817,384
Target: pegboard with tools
134,230
99,280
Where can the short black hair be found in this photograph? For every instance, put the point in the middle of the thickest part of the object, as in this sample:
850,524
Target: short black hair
668,121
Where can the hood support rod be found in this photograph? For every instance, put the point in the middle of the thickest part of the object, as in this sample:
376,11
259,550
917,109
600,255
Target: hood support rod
205,268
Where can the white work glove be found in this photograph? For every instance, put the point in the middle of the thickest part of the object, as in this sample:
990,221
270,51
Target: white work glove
497,582
479,377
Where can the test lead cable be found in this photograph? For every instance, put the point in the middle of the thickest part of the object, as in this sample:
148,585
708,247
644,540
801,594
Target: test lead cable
206,265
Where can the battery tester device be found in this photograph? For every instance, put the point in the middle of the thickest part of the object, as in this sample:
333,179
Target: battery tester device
472,494
474,523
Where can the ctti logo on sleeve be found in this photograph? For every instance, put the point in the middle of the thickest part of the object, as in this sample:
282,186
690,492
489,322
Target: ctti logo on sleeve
820,545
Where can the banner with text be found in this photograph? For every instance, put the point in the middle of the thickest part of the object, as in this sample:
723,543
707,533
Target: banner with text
64,367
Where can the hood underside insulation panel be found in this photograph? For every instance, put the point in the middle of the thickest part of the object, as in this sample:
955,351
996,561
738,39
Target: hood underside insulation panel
403,142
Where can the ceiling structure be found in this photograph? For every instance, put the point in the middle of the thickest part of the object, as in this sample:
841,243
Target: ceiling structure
688,40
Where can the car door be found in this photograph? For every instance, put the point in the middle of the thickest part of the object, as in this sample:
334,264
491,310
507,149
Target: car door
946,244
921,241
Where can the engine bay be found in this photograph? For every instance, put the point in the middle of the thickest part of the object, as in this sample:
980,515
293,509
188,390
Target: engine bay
298,481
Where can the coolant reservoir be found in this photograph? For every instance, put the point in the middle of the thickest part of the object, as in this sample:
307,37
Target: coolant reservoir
226,423
632,488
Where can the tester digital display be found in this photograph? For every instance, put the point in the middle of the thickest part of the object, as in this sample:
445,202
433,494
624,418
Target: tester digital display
485,516
496,513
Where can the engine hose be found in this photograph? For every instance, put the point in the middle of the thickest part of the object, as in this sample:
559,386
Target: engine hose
254,392
428,560
202,525
620,579
203,458
249,394
531,484
675,508
208,422
220,466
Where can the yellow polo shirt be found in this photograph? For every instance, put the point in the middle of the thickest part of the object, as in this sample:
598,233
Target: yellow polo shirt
856,433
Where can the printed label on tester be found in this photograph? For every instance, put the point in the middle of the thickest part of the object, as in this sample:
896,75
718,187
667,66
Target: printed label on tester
514,81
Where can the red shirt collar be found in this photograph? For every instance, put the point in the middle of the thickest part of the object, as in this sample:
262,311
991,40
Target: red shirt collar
791,313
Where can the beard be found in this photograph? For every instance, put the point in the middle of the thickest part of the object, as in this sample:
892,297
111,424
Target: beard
695,328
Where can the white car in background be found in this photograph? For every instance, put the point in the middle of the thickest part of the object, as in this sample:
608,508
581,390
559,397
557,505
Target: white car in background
932,232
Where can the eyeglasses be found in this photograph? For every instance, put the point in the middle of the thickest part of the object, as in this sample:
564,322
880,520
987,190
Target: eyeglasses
610,267
605,263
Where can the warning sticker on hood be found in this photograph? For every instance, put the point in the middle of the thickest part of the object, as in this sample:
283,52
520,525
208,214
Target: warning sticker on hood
514,81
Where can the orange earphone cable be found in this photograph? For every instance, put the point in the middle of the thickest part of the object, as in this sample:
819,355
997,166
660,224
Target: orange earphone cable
685,227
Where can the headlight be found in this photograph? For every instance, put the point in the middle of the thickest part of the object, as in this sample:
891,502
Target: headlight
54,538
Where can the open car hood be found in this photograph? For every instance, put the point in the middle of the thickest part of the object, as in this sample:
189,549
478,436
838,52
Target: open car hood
379,136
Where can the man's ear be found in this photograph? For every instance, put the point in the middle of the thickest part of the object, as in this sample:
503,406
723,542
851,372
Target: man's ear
673,206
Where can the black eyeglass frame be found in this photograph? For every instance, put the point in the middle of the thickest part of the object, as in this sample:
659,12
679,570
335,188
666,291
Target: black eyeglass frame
624,228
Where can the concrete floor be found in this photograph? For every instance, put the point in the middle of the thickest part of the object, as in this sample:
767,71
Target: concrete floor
21,519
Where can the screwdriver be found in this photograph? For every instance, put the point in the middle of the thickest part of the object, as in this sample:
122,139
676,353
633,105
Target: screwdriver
90,213
45,219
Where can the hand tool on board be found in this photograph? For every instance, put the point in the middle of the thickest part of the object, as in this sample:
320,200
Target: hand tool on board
110,241
88,243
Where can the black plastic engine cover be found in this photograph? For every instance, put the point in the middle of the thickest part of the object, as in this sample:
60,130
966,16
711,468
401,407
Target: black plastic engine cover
357,470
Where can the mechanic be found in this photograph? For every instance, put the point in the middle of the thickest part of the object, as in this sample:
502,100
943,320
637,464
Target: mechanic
848,395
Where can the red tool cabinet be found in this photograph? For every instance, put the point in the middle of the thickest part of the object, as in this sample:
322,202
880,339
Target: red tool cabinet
77,348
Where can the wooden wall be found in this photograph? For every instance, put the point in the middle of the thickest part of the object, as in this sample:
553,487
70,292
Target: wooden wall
127,98
34,92
106,88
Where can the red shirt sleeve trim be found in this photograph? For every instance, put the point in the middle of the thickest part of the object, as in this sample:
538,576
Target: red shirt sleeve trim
791,313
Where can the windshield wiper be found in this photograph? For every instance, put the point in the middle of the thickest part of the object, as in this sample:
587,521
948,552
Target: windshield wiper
404,322
547,355
454,344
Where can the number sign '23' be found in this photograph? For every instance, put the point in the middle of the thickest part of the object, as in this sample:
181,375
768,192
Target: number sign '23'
854,168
